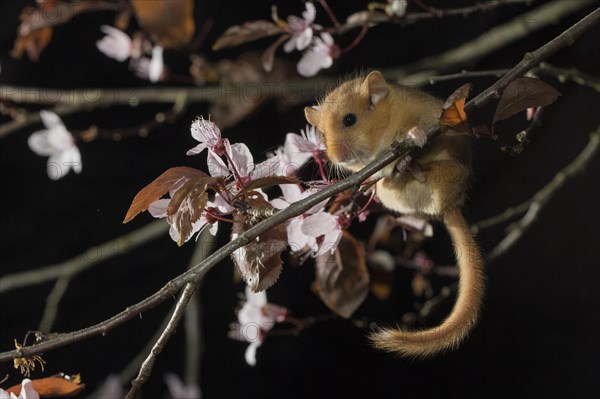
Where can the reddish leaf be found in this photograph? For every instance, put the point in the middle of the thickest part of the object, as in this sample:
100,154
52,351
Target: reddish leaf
187,205
59,385
250,31
169,22
524,93
453,110
342,279
30,40
269,54
270,181
159,187
259,262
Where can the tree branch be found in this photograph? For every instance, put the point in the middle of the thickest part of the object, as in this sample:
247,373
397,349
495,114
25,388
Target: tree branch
148,364
73,101
541,198
91,257
398,150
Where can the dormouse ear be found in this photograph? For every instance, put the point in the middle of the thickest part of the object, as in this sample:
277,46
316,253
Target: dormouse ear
312,114
375,87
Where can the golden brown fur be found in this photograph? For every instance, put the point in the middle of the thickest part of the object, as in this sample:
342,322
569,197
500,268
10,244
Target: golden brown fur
360,119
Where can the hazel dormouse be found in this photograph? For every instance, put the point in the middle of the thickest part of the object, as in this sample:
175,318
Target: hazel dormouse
359,120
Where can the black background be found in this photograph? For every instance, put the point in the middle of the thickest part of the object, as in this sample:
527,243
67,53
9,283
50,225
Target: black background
538,337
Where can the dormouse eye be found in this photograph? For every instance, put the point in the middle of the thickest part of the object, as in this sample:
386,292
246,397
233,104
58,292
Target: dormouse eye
349,120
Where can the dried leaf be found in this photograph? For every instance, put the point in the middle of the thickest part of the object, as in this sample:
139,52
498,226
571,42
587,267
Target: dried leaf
524,93
453,110
59,385
187,205
250,31
169,22
342,279
269,54
270,181
32,41
159,187
259,261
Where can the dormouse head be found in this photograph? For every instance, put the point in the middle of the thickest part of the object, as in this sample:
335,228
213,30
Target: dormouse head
353,119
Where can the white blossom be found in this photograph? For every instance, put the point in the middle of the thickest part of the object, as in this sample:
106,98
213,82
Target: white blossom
116,44
56,143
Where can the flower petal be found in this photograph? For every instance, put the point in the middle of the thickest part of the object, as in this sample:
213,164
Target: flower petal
38,143
312,62
310,13
250,354
242,159
156,66
51,120
197,149
216,166
320,224
27,391
158,209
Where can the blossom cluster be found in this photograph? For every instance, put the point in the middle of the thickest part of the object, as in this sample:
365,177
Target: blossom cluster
119,46
316,231
319,51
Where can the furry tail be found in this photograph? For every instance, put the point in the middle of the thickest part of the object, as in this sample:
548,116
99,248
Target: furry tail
463,317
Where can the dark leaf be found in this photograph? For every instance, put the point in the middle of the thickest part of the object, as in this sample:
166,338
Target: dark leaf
453,110
247,32
342,279
30,39
524,93
169,22
270,181
159,187
259,262
187,205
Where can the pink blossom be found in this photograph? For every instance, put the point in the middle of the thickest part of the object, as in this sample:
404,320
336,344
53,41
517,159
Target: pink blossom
116,44
56,143
240,163
301,147
256,318
302,31
318,56
297,239
27,392
151,68
209,136
329,227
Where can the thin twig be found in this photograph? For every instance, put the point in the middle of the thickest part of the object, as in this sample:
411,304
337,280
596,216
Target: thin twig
399,150
492,40
148,364
89,258
376,18
52,302
541,198
193,316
